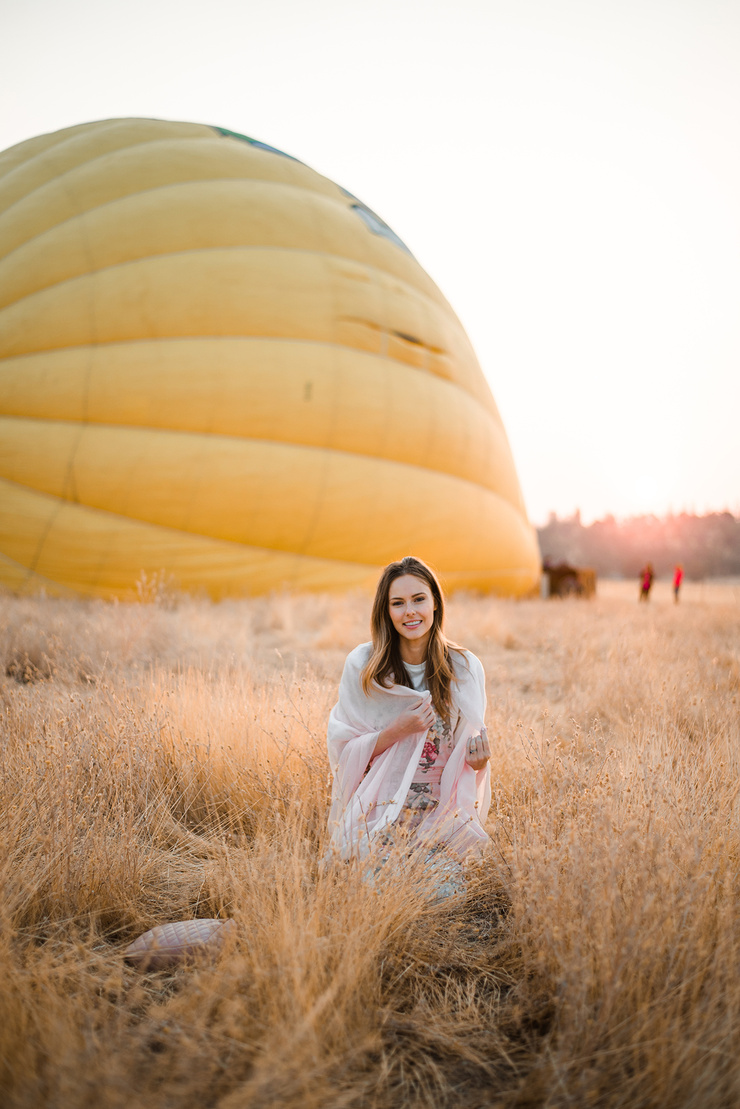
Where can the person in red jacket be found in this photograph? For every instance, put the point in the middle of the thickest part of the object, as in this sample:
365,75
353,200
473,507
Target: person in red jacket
677,579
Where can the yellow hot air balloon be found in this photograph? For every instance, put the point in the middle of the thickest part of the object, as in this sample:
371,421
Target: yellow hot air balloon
216,363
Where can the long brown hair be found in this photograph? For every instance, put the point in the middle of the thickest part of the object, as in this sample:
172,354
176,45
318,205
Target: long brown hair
385,664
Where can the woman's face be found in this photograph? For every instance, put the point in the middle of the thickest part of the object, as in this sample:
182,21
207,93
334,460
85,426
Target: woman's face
411,608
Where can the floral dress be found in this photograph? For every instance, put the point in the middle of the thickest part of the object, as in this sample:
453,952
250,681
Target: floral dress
422,798
423,794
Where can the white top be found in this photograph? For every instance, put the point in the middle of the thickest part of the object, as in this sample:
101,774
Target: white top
417,672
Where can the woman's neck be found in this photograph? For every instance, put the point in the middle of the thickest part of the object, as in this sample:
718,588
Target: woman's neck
413,652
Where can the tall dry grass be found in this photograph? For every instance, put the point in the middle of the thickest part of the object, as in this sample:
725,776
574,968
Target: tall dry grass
166,760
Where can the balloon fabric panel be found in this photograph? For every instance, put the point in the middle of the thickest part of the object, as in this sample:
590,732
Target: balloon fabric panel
217,363
329,396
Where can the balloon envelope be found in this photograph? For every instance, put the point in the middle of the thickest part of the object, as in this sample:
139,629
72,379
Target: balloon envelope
216,363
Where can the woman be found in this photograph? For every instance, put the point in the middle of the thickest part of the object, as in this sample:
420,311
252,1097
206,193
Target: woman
407,745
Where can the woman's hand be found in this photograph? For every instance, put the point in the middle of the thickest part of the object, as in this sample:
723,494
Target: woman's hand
418,718
478,752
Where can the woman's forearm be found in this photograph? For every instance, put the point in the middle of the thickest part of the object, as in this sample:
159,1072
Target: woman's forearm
385,739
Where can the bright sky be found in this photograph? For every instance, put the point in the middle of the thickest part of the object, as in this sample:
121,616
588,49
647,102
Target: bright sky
568,172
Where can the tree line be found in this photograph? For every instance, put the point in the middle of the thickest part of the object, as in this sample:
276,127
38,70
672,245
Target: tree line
706,546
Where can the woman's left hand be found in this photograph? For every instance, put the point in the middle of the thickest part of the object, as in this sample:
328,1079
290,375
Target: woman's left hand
478,752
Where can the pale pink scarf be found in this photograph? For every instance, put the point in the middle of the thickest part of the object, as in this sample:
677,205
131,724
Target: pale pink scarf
363,804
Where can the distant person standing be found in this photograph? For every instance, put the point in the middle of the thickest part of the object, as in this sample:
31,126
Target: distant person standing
677,579
646,581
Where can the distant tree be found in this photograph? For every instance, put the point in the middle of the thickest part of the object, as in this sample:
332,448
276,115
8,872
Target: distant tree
706,546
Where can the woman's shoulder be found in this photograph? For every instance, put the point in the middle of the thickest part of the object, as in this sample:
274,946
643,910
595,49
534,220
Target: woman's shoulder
357,658
464,662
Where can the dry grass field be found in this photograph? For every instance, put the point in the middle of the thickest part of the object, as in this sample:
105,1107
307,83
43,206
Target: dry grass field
166,760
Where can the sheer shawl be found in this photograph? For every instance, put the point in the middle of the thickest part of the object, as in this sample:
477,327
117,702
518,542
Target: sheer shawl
365,803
